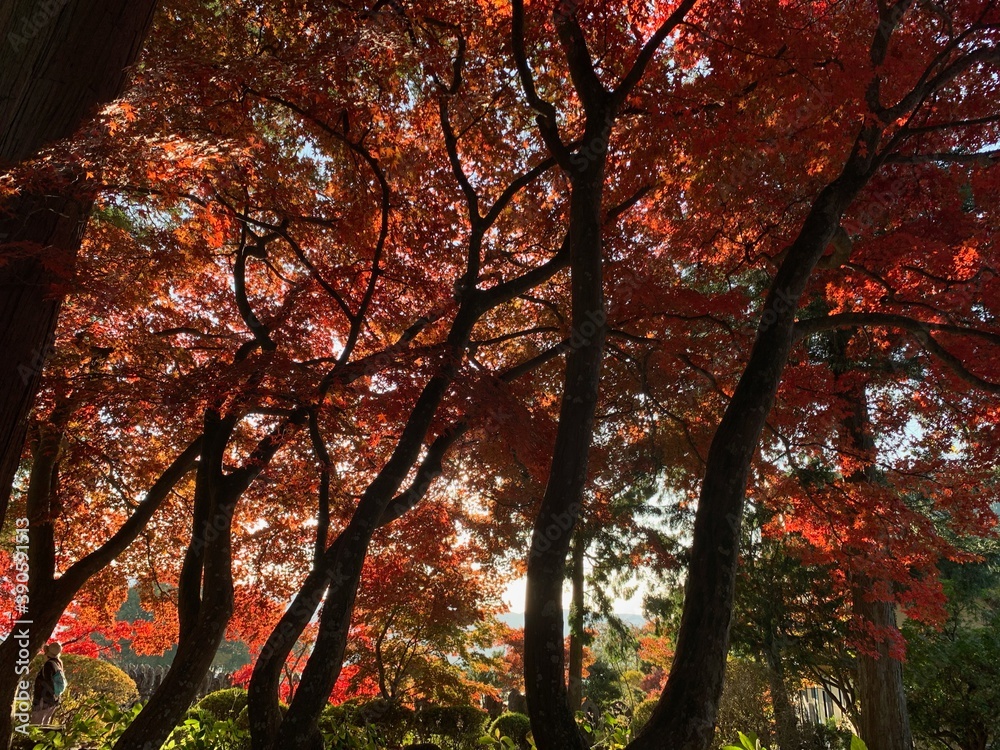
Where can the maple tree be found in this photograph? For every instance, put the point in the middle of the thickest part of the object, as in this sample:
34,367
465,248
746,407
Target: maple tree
423,599
357,244
881,135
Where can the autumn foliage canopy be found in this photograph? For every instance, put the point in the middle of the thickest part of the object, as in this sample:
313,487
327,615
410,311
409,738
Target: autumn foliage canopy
359,279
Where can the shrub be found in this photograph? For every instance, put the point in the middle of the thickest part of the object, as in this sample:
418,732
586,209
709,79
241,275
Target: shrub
641,715
392,719
825,736
333,716
200,730
745,706
89,682
97,724
340,729
227,703
513,725
461,725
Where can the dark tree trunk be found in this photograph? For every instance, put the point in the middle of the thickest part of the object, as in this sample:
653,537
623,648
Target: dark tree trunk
58,61
576,626
262,694
786,719
43,613
49,596
265,717
205,594
342,563
552,721
684,717
345,558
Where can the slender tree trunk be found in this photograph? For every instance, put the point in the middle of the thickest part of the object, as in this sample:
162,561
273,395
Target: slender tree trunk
48,597
262,694
59,60
552,722
205,594
265,717
344,560
576,626
37,622
786,720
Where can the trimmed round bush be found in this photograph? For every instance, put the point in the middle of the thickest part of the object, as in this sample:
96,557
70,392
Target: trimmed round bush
88,681
460,724
641,715
224,704
513,725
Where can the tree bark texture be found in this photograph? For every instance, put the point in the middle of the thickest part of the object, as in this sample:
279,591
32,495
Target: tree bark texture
786,720
885,721
59,60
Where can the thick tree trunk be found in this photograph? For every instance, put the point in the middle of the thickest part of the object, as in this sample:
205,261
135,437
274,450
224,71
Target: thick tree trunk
576,626
59,60
684,717
43,611
885,721
179,688
552,721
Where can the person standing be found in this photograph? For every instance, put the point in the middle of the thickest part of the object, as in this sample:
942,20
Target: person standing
49,685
